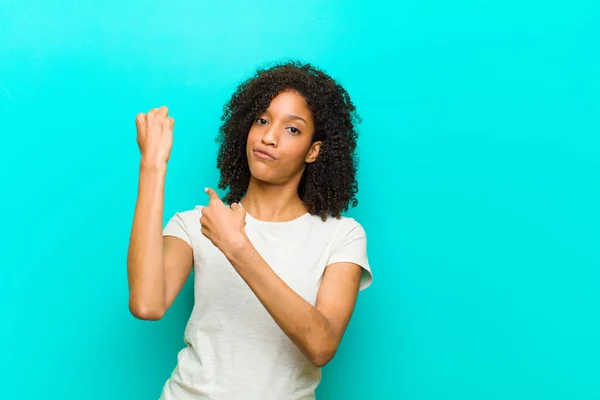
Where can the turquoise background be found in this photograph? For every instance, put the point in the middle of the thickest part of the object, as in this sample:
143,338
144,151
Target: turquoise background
479,181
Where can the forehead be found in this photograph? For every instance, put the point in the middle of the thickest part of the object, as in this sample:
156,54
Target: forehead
289,102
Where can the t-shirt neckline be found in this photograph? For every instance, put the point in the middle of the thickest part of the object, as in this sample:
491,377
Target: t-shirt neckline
297,219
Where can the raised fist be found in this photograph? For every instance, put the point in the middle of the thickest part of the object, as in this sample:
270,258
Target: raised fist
155,136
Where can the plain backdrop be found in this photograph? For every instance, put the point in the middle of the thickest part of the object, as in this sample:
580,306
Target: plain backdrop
479,186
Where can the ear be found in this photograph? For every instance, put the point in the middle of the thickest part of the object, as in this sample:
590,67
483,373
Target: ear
313,152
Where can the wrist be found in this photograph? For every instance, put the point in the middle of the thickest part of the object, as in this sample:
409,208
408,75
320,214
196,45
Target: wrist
238,247
154,166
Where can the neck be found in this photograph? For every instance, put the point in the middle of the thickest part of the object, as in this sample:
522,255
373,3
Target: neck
273,203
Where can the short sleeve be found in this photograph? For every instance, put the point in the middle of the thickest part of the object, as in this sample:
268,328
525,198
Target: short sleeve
352,247
176,227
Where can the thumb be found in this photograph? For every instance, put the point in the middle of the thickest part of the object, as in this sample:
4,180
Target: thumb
212,195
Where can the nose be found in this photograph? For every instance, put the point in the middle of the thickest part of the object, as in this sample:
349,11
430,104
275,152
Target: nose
270,136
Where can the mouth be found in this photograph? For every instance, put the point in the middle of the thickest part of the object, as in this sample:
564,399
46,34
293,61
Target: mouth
264,155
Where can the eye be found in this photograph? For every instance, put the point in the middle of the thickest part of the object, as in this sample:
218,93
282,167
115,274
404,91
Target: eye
294,130
261,121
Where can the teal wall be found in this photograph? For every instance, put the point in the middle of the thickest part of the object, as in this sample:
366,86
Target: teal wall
480,186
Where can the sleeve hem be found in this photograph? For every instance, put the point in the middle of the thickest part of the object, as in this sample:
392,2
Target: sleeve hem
366,278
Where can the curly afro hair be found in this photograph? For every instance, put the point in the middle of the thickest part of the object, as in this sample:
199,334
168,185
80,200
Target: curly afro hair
328,186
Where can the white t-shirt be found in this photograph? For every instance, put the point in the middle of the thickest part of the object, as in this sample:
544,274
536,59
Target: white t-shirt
235,350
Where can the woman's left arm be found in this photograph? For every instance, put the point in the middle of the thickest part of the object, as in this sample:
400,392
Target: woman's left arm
316,330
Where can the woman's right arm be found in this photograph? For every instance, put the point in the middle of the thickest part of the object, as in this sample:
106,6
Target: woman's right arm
157,266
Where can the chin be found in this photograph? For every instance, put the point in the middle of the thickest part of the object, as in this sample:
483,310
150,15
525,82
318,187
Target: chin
260,174
268,172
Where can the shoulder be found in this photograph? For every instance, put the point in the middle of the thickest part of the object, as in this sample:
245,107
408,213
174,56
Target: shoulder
338,231
189,214
350,246
186,219
185,225
344,226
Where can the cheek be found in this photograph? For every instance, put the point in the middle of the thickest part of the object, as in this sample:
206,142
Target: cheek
251,139
255,133
300,155
297,153
300,146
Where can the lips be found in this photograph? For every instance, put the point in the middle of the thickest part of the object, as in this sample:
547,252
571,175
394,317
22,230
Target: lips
264,154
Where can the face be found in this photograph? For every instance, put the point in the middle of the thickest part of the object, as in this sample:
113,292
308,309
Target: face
280,140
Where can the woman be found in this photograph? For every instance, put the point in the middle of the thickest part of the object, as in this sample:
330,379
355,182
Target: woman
277,268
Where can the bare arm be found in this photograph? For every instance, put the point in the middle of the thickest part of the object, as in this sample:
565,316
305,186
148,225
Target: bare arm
316,331
157,267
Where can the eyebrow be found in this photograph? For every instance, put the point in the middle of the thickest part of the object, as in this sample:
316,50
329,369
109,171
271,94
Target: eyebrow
289,116
292,116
